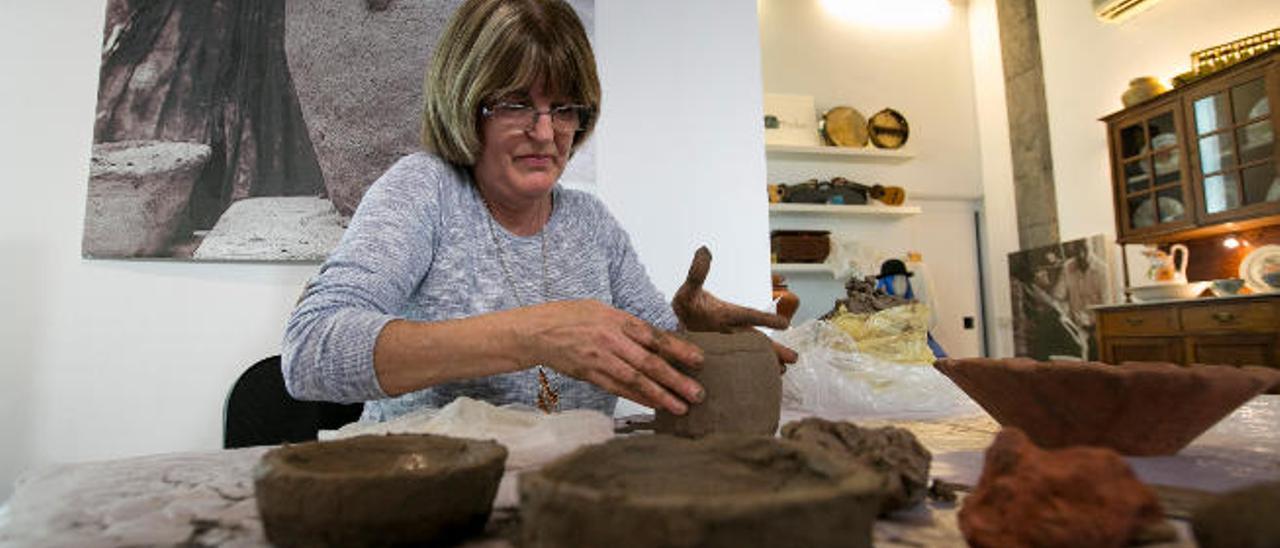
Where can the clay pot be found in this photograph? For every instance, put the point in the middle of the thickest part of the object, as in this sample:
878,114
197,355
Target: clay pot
787,302
378,490
1139,409
721,491
744,390
1141,89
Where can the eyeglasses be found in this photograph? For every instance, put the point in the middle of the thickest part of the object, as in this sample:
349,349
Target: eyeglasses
564,118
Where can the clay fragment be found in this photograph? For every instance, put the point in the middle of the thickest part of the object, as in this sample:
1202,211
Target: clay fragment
944,491
862,297
1078,496
378,490
1244,518
1139,409
743,389
893,451
719,491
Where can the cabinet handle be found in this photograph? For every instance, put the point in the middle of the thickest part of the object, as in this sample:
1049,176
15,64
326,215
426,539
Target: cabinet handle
1224,317
1133,321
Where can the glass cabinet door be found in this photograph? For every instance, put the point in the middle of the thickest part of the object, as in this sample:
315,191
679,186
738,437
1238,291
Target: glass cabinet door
1235,148
1152,172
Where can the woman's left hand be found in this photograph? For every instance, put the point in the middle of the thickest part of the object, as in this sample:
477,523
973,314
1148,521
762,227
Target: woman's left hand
699,310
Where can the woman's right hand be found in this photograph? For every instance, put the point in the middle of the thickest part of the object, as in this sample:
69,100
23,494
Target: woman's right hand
594,342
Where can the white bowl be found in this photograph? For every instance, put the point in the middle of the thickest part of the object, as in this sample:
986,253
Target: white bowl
1167,292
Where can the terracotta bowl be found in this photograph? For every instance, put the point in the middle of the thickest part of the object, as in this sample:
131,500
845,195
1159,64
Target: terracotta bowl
1135,408
378,490
722,490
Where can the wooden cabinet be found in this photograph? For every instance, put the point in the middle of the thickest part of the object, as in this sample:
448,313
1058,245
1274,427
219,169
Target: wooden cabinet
1229,331
1199,160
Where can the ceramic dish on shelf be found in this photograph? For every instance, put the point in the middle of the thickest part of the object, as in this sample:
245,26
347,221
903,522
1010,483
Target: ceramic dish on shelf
1167,292
1257,265
844,127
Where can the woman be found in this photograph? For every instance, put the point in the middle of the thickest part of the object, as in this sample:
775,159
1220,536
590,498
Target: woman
467,271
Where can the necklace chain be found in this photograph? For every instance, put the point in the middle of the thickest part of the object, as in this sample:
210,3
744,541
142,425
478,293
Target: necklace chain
548,396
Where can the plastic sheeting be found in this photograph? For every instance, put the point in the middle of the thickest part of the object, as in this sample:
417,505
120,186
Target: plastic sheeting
897,334
836,378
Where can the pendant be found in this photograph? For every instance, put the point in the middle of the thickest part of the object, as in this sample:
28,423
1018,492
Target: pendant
548,399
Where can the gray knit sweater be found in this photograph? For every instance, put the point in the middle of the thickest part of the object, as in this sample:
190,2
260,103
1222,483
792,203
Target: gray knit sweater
420,247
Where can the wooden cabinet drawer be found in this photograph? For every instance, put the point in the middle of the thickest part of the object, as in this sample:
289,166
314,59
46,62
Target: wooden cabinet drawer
1140,321
1143,349
1231,317
1234,350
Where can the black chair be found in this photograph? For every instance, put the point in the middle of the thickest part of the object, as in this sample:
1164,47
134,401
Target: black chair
259,411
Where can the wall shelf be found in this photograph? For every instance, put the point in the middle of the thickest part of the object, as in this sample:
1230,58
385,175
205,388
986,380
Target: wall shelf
802,268
832,209
867,153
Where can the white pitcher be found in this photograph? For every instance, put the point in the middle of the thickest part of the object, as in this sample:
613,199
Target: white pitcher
1165,269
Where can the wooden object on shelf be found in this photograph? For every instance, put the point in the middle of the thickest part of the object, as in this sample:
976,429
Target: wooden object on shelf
1200,160
800,246
1225,331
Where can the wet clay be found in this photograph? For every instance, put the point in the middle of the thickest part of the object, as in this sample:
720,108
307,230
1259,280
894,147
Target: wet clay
719,491
1079,496
1139,409
378,490
743,388
893,451
1244,517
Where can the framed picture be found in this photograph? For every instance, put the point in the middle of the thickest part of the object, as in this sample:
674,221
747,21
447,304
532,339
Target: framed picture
230,130
1052,290
790,120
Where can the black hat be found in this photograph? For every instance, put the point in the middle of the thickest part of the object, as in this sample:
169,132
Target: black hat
893,267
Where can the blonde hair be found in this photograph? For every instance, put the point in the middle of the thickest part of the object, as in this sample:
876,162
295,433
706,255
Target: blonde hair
494,48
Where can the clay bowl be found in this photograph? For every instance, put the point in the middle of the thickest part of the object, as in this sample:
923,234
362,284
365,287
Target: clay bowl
378,490
1139,409
740,374
723,490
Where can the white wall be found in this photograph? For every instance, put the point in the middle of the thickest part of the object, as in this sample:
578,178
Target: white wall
999,210
103,359
1088,64
926,75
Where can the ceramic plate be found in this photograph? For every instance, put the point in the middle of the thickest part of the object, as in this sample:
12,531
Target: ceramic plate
1258,263
845,127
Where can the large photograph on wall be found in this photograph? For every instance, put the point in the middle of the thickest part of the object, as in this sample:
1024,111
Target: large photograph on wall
243,130
1053,288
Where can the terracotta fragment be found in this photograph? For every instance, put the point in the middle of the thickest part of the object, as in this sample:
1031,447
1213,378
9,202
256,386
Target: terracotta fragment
743,388
1244,518
378,490
1079,496
893,451
719,491
1135,408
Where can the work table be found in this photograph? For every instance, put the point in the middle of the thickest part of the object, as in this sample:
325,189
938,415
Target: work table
206,498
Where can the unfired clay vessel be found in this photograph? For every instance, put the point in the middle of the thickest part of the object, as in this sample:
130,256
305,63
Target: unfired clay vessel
743,389
1135,408
720,491
378,490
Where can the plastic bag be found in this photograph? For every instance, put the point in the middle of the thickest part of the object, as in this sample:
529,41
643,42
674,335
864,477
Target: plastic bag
898,334
532,438
835,379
